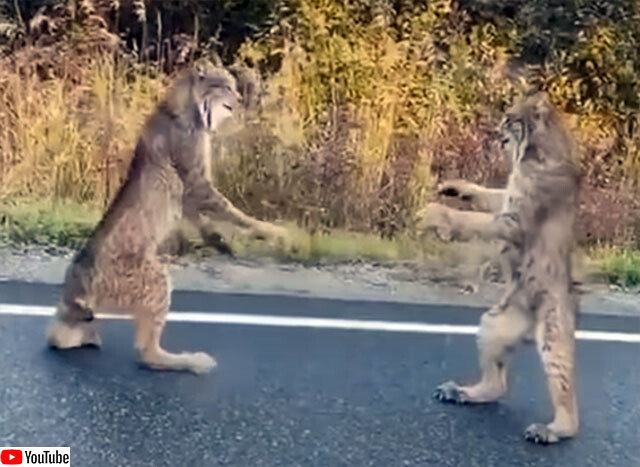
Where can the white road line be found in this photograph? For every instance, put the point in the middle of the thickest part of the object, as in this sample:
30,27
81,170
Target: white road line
323,323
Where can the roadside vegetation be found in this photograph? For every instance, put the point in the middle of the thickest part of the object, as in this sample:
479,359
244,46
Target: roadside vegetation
618,265
365,105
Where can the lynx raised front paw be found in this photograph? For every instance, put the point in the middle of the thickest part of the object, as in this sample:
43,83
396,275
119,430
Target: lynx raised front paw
435,217
277,236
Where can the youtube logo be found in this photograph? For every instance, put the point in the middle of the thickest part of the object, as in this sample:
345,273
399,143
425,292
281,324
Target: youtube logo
11,457
40,456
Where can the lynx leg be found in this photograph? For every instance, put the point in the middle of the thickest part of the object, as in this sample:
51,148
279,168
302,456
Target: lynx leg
480,198
556,346
150,321
73,326
501,328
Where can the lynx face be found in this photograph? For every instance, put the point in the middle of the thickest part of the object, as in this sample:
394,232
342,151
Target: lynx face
216,97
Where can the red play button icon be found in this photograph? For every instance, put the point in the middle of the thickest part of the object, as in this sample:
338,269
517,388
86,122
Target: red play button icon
11,457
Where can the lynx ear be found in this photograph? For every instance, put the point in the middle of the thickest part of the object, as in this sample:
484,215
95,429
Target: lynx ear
179,94
542,106
196,74
542,99
203,67
249,85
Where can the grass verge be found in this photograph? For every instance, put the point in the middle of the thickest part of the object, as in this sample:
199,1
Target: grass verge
69,224
42,223
618,265
338,245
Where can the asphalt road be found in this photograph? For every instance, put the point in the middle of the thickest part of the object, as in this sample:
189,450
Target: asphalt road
287,396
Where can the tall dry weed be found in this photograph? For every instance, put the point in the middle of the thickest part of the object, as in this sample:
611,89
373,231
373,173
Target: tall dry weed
366,105
65,140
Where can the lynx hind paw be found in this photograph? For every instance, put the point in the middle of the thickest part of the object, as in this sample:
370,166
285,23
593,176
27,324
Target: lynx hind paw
539,433
450,392
61,335
202,363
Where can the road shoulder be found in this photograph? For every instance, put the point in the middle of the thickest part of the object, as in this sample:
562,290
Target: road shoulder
358,280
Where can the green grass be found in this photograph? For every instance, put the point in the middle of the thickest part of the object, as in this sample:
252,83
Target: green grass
339,245
68,225
65,225
619,265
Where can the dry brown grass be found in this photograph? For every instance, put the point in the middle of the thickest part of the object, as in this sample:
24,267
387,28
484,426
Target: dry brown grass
362,113
70,141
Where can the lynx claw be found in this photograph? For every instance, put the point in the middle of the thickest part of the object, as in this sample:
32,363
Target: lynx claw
450,392
540,434
453,188
448,189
